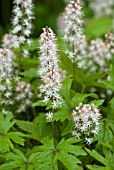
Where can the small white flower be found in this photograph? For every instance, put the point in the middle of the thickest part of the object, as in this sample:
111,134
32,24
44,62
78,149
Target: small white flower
88,140
49,115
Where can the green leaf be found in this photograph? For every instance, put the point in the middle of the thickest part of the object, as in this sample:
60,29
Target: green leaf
108,85
78,98
111,73
69,161
68,129
29,127
68,152
97,156
96,167
112,102
38,129
65,91
97,102
32,46
6,124
98,27
5,144
39,103
31,73
14,159
61,115
17,137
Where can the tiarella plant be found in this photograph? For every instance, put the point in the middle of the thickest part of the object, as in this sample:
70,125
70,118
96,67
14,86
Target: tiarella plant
62,96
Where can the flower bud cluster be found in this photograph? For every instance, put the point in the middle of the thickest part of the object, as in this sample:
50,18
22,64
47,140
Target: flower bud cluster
86,119
49,70
23,96
6,73
73,31
102,7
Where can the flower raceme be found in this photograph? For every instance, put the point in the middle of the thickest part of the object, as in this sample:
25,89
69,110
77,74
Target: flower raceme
98,56
49,70
6,56
102,7
73,31
23,96
21,26
22,17
86,120
6,73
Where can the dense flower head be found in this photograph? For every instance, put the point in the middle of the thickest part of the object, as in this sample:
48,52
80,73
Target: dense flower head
86,119
10,41
6,57
98,56
22,20
23,96
49,70
102,7
6,74
73,20
73,31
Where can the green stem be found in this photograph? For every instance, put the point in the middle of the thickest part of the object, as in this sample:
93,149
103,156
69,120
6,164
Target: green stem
74,67
83,88
34,112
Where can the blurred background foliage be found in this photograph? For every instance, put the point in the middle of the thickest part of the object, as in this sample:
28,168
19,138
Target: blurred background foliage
46,14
